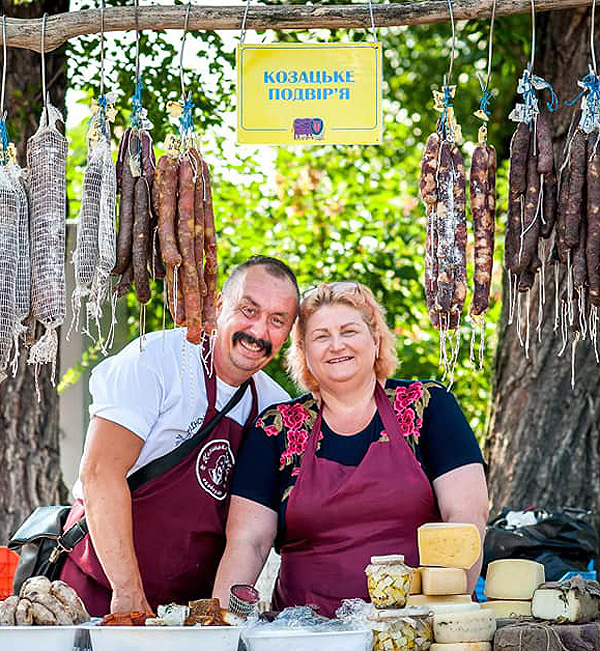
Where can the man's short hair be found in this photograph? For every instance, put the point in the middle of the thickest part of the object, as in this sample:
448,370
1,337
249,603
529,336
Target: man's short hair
272,266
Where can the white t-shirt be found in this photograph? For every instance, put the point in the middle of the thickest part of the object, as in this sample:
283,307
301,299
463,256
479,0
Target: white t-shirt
158,393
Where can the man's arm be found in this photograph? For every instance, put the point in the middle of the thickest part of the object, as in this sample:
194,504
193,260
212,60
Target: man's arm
462,497
110,451
251,529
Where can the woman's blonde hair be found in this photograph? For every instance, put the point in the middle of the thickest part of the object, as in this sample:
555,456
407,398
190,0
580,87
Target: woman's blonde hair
354,295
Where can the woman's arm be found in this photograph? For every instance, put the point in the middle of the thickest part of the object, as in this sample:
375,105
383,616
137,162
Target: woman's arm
462,497
251,530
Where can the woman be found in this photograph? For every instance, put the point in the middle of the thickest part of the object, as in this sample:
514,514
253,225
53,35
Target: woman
351,469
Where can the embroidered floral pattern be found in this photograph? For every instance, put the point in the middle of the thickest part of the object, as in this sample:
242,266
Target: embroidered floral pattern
297,421
409,403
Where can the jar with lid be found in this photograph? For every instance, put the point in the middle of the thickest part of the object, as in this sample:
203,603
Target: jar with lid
388,581
402,629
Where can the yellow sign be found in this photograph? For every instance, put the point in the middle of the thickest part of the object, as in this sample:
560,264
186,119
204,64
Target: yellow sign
309,93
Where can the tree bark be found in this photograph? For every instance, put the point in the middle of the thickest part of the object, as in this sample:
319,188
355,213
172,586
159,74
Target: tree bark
29,446
61,27
543,436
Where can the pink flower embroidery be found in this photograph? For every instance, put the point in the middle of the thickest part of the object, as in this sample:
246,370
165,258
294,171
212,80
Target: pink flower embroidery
293,415
296,471
271,430
409,422
260,423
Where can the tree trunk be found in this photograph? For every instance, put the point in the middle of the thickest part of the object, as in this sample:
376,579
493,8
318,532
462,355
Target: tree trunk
543,441
29,454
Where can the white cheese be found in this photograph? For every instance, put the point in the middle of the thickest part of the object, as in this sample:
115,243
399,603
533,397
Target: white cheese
449,544
560,606
475,626
513,579
443,580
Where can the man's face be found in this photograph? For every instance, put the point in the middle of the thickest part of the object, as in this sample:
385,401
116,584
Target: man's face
255,317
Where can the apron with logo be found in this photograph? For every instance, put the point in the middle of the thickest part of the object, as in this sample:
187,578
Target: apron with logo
178,523
339,516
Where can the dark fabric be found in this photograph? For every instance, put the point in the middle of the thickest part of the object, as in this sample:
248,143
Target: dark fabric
446,442
339,516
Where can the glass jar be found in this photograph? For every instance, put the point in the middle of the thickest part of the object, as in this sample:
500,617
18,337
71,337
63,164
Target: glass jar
388,581
403,629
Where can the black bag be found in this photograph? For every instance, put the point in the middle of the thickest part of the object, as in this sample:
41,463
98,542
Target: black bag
36,539
41,540
563,541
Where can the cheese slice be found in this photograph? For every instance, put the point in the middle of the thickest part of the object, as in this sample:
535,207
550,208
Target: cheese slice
461,646
508,608
560,606
475,626
443,580
415,581
513,579
449,544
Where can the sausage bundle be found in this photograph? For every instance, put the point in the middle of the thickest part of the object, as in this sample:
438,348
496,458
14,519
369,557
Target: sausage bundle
182,200
95,252
531,212
442,185
47,165
134,178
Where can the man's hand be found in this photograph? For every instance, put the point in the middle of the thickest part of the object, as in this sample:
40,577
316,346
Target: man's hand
128,601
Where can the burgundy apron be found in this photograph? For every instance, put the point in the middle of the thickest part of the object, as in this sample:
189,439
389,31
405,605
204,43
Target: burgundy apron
178,523
339,516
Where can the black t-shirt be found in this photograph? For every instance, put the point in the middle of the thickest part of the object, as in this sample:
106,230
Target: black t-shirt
429,416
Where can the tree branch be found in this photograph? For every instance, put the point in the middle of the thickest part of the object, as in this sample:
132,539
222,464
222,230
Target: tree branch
26,33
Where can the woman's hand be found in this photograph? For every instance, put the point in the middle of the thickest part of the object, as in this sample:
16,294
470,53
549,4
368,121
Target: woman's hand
462,496
251,529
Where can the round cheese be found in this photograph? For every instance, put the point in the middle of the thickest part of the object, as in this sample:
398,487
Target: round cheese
461,646
475,626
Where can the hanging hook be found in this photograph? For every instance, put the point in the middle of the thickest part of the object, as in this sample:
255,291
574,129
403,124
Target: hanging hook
448,80
592,36
43,50
101,48
3,65
243,31
490,46
137,43
532,60
185,27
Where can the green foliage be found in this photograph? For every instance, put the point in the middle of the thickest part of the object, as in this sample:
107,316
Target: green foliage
343,212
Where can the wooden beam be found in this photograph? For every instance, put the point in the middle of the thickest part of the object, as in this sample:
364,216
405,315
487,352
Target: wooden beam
26,33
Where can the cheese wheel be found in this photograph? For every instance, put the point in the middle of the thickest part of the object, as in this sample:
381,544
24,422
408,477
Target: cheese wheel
442,609
443,580
508,608
461,646
475,626
415,582
449,544
513,579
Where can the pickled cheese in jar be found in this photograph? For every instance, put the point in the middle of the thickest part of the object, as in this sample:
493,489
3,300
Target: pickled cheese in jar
403,629
388,581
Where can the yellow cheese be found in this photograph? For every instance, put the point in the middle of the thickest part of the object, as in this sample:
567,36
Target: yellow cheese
508,608
449,544
443,580
475,626
513,579
415,582
461,646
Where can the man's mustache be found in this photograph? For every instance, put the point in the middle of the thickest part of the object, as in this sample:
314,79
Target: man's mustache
249,339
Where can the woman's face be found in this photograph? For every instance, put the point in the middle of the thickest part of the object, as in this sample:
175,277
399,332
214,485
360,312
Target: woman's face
339,346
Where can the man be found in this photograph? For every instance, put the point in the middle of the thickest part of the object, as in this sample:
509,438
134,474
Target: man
163,542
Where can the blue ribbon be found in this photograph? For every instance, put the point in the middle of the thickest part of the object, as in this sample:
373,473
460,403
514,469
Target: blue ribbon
136,105
447,103
4,138
186,124
591,88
